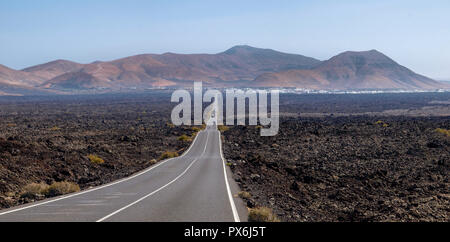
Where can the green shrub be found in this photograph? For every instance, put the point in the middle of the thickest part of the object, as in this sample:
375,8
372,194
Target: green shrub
61,188
443,131
262,214
222,128
184,138
168,154
55,128
34,189
196,129
152,161
243,194
382,123
95,159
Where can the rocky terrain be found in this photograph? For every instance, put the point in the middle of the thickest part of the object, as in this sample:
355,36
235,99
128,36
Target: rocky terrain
357,157
50,140
347,168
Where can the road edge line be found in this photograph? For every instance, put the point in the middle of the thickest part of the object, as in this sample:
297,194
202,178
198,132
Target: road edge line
157,190
100,187
230,196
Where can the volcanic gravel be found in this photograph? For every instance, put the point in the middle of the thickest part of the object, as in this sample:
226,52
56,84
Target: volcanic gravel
346,168
49,139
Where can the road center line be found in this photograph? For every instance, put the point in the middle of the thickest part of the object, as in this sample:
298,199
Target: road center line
159,189
230,196
103,186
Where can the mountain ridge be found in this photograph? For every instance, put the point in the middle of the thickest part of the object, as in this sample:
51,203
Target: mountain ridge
352,70
239,63
238,66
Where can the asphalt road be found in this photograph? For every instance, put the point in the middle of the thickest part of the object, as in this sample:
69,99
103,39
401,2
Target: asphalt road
194,187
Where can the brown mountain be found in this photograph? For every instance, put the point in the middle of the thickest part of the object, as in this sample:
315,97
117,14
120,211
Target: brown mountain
351,70
240,66
52,69
240,63
12,77
13,82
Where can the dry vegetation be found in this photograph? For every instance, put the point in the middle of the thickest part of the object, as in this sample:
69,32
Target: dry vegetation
262,214
222,128
95,159
36,190
61,188
348,167
168,155
88,140
244,194
185,138
443,131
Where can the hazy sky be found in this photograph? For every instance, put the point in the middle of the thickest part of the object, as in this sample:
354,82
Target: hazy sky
414,33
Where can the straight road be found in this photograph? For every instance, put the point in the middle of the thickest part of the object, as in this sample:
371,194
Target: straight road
193,187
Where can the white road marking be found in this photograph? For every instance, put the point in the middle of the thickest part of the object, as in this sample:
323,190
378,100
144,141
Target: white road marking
90,204
230,196
232,204
100,187
159,189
